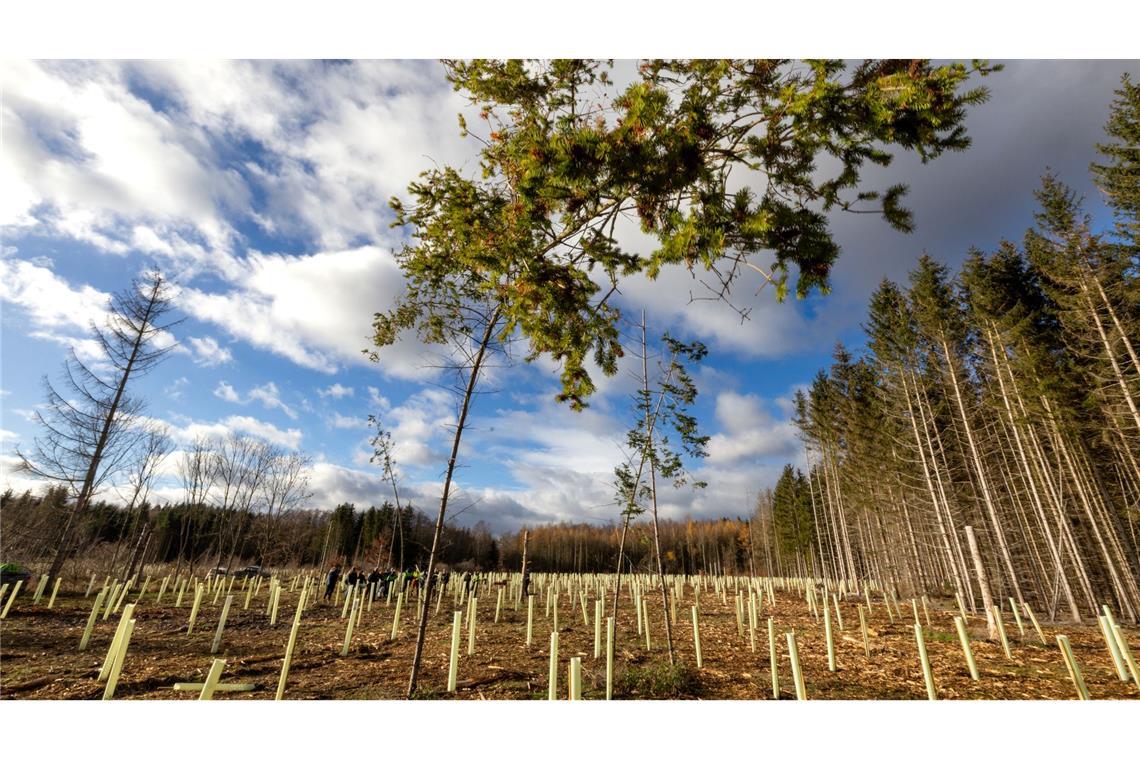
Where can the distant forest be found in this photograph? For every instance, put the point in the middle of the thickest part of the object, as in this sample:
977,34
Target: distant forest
120,541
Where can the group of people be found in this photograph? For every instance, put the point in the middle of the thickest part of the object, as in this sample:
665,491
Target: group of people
380,582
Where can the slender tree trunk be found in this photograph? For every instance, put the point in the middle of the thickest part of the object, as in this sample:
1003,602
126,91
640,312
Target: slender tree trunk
425,610
88,488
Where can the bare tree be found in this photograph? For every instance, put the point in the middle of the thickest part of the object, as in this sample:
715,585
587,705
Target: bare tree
90,428
150,453
285,487
195,471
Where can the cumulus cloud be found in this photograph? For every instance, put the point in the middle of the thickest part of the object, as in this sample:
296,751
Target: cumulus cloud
48,300
268,394
748,431
226,392
208,352
188,431
314,310
336,390
345,422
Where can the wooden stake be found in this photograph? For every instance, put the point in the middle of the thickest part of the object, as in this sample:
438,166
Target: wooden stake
11,598
275,596
773,662
964,638
39,589
797,673
112,651
289,647
83,642
609,658
396,617
453,665
1126,653
598,609
1001,632
697,638
1033,619
575,679
471,625
1113,650
863,628
212,678
1017,618
120,656
552,693
348,629
529,619
927,675
827,635
55,590
1074,668
194,610
221,624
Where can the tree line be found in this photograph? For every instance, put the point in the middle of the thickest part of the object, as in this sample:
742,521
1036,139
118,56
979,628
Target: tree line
120,540
1004,398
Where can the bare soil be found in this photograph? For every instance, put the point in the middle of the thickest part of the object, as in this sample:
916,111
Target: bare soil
39,657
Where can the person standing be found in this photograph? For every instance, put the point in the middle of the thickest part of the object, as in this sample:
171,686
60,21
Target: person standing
374,581
330,586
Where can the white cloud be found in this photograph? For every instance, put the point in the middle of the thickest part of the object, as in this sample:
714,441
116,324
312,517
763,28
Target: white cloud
175,389
208,352
48,300
336,390
268,395
314,310
85,155
748,431
186,432
344,422
226,392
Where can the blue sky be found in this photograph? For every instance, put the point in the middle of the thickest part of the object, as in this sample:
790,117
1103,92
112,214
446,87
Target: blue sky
262,189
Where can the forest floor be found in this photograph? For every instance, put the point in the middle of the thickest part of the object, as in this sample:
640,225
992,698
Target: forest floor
39,657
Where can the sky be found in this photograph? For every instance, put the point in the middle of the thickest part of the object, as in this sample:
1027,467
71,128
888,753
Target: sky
261,189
